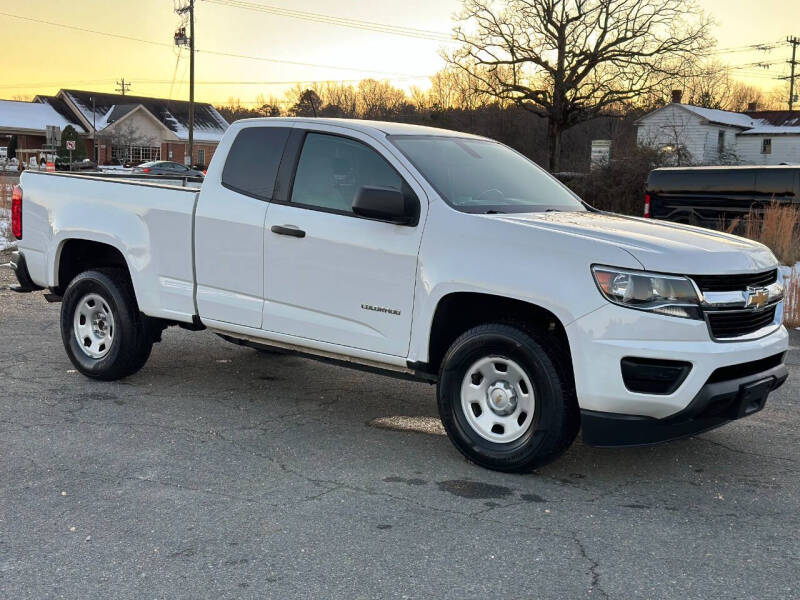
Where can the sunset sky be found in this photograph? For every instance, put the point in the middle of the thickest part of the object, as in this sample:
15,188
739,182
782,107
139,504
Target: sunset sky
42,58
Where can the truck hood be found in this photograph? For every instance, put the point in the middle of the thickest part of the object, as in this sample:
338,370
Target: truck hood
657,245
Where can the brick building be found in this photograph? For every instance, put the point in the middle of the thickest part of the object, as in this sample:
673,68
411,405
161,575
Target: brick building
28,122
129,129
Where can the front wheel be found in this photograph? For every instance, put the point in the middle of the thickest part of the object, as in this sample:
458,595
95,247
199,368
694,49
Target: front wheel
103,332
506,399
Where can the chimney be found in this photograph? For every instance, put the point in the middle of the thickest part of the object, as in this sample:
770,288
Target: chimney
677,96
752,107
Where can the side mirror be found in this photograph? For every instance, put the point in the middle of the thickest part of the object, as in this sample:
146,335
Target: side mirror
387,204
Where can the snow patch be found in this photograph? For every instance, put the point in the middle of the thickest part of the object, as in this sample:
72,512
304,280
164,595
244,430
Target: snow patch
31,115
6,239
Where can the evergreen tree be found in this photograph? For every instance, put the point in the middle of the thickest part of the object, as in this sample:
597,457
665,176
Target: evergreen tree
12,147
69,133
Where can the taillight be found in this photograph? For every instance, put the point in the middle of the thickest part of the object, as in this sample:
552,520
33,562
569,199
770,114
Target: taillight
16,212
146,170
647,206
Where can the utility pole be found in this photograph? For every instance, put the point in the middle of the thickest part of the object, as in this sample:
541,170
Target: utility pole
794,41
95,157
180,39
123,86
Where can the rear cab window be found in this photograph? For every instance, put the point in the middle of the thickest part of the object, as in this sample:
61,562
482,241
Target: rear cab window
253,160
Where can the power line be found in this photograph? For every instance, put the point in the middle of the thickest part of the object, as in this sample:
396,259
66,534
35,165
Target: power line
214,52
340,21
749,48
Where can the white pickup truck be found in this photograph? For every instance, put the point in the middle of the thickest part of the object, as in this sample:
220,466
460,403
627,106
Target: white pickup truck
423,253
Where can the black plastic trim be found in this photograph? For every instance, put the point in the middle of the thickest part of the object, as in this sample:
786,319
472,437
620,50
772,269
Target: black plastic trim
290,231
716,404
20,268
653,376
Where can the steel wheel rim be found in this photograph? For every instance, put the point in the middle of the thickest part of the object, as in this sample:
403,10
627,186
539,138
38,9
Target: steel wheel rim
497,399
93,325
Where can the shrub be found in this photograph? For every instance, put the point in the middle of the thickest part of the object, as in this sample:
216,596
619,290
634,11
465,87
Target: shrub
619,186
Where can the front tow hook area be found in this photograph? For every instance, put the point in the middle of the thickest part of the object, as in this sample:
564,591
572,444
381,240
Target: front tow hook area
20,268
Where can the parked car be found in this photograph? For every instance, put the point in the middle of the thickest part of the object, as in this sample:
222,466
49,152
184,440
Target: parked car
167,167
712,196
425,254
63,164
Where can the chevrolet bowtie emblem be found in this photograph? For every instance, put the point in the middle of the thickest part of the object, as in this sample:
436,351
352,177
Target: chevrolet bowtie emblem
756,297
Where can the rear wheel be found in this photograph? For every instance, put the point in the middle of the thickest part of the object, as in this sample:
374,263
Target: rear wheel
103,332
506,397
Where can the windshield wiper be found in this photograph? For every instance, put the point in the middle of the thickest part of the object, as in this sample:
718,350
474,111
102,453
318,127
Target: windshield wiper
492,211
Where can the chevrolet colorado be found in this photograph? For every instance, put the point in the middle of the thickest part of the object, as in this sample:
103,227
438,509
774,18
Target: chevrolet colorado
422,253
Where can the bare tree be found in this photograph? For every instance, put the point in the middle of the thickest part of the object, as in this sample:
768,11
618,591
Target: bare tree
339,100
379,99
572,60
124,138
457,88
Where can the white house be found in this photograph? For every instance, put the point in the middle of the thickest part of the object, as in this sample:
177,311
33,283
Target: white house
707,136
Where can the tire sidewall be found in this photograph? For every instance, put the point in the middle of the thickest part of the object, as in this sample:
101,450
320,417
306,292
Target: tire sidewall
512,344
95,282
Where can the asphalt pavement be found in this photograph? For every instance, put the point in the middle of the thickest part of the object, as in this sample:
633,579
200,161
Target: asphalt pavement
221,472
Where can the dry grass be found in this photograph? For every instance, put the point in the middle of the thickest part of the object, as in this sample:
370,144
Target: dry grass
777,227
791,315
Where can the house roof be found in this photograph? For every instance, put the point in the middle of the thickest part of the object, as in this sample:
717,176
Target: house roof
105,109
765,122
780,118
61,108
721,117
772,130
118,111
32,116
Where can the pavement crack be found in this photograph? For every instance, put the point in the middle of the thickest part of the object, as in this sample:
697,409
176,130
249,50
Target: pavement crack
594,565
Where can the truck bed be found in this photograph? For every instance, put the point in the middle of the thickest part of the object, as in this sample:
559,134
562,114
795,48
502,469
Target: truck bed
151,224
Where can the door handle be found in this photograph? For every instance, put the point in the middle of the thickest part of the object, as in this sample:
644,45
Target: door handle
288,230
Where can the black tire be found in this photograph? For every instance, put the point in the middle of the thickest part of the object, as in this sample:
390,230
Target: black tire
556,417
132,340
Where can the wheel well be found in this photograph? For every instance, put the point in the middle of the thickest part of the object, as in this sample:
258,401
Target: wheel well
458,312
78,256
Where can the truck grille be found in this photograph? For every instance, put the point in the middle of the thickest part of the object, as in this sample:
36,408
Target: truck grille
734,283
736,323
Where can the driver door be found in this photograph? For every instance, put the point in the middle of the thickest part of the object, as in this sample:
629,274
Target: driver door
330,275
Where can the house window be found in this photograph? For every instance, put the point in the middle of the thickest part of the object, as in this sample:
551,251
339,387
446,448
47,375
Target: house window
201,157
721,141
766,146
136,154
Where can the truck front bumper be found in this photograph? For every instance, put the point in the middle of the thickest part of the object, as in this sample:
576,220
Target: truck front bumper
717,403
725,381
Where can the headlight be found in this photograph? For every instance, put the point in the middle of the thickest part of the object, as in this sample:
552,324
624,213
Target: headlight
664,294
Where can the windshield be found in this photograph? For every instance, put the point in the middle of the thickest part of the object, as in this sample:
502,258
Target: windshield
482,176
